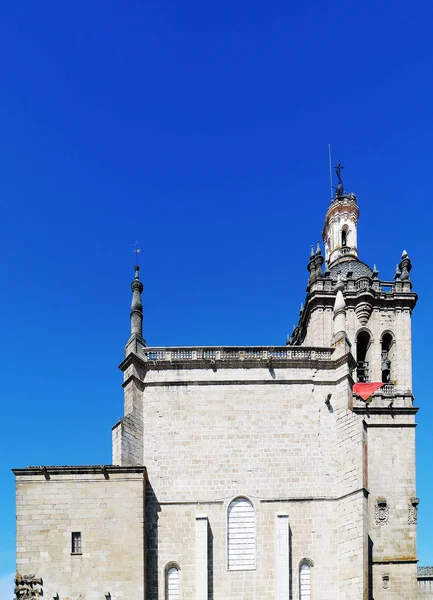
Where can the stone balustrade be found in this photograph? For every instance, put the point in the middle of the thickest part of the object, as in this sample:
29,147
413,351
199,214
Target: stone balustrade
265,354
364,283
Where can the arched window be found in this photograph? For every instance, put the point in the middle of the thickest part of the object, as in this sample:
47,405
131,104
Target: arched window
344,236
305,568
172,583
386,351
241,535
363,341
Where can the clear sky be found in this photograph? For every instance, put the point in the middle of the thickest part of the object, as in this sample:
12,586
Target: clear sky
200,129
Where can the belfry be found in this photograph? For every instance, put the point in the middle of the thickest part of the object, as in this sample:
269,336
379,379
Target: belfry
239,473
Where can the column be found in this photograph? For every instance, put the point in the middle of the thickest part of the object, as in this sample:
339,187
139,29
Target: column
282,556
201,558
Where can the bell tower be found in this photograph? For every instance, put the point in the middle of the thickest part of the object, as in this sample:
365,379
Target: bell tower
340,229
347,299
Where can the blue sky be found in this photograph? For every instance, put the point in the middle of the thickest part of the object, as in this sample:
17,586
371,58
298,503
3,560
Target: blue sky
200,129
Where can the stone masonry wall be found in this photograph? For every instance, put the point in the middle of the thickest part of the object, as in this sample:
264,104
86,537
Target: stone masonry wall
211,435
109,513
391,476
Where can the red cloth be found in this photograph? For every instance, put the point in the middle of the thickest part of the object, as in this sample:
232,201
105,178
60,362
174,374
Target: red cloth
365,390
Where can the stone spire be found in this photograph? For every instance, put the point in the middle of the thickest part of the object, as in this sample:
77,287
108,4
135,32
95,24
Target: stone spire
136,305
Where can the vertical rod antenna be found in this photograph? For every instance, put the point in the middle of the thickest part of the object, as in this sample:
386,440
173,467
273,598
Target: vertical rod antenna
330,170
137,252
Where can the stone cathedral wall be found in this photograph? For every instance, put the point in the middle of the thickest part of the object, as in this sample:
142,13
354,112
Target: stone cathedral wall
209,436
109,514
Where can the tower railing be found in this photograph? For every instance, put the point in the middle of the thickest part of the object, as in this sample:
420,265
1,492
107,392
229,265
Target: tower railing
265,354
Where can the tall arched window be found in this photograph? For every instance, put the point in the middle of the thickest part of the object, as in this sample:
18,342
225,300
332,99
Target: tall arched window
305,568
344,236
241,535
386,351
362,356
172,583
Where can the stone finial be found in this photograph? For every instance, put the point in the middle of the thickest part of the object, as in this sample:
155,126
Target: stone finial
136,304
312,266
318,261
375,272
405,266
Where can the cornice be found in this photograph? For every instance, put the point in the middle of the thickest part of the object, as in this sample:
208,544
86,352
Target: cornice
385,410
78,470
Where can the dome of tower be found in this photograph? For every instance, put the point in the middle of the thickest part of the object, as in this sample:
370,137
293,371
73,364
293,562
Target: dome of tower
356,268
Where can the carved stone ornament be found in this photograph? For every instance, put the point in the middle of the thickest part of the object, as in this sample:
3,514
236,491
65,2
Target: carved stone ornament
363,311
412,517
28,586
381,511
385,581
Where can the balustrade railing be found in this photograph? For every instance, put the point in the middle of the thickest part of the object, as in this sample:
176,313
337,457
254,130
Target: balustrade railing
362,284
387,389
235,353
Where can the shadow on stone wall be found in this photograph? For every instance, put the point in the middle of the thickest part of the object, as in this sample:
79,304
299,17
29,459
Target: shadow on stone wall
152,509
290,565
209,562
370,568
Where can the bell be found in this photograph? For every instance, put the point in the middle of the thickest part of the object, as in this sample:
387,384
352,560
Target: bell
385,365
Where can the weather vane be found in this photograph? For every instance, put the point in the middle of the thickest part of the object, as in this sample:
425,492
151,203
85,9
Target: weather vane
137,251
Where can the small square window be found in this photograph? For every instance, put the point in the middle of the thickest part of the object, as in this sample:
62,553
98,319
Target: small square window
76,542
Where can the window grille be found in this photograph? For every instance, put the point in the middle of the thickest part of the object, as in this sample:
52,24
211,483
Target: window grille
76,542
172,584
305,581
241,535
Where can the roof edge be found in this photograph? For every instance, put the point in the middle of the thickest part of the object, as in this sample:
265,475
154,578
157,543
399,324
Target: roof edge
78,470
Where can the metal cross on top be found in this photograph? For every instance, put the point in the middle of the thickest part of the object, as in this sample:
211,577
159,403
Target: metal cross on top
137,251
338,171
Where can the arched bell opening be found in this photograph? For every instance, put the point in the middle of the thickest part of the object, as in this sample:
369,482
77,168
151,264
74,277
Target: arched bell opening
344,233
363,343
386,356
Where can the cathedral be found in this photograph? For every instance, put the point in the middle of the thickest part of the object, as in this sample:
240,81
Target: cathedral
249,473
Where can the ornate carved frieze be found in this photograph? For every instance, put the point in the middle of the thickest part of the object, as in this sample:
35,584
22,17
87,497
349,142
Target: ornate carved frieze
28,586
412,517
381,511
